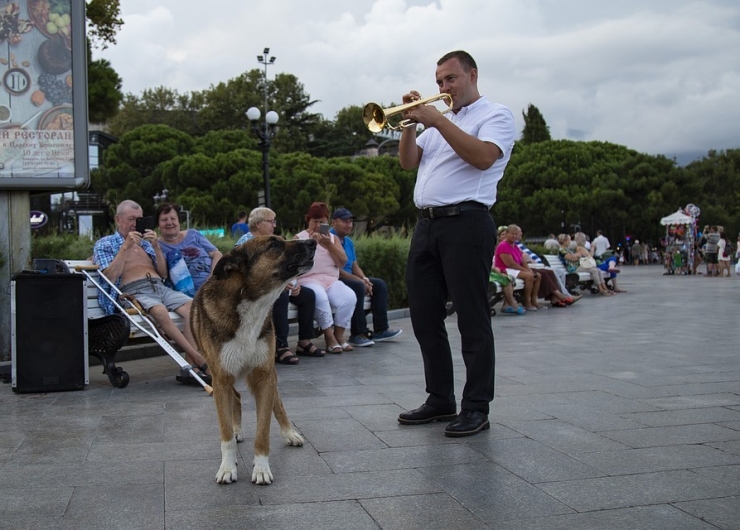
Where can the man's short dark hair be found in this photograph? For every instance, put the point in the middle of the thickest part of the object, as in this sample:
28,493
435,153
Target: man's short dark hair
466,60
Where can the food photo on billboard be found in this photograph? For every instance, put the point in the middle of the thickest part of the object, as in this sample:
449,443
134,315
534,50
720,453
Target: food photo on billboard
43,111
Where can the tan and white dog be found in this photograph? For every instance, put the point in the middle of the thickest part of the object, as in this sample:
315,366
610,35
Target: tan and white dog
232,323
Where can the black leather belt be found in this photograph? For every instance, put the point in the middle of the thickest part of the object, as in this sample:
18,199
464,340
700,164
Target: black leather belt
434,212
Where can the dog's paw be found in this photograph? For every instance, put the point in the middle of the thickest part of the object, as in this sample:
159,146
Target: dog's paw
227,472
261,473
292,437
226,475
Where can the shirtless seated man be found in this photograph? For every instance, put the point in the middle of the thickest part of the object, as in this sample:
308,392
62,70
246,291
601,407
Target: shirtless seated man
136,265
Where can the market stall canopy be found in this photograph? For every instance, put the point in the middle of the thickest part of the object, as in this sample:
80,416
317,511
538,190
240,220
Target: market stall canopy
678,218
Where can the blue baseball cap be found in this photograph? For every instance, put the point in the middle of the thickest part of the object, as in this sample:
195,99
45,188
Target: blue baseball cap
342,213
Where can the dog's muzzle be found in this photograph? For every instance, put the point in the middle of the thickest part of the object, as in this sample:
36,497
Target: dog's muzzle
302,261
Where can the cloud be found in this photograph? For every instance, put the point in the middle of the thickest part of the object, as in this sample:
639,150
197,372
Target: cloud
659,77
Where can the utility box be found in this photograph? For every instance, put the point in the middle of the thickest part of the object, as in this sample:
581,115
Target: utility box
48,332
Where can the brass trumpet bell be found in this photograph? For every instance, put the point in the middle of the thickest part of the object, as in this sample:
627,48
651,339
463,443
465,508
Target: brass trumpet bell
377,118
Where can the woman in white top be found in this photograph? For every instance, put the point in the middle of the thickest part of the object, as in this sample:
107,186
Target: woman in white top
323,279
723,258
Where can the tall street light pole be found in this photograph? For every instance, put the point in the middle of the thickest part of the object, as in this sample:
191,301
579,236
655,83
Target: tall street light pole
264,131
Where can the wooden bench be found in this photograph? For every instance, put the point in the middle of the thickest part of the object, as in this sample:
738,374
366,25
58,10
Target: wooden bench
581,280
105,347
95,311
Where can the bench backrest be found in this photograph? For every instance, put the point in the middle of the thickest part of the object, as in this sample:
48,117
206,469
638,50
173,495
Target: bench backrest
95,311
557,264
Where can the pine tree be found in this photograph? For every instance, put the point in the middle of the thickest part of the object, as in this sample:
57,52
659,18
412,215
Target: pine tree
535,127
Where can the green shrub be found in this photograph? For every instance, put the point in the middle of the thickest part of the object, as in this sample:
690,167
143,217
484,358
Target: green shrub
63,246
539,249
223,244
386,258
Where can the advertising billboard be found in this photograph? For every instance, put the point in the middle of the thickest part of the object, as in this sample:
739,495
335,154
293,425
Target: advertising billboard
43,95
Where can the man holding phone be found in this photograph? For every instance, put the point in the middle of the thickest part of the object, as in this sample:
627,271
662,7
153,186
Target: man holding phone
144,223
132,259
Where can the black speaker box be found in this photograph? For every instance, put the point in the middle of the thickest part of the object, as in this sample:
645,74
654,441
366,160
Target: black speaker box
49,332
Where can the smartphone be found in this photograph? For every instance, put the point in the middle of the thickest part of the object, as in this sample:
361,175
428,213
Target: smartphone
144,223
324,229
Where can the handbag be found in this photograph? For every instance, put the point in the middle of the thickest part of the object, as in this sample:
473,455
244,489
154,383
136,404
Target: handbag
180,278
501,279
587,262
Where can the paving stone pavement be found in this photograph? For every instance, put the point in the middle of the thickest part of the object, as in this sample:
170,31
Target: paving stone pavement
620,412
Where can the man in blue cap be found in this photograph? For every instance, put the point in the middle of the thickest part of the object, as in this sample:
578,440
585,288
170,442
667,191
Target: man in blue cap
351,274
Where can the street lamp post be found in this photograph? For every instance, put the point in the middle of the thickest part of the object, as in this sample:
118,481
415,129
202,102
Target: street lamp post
163,197
264,131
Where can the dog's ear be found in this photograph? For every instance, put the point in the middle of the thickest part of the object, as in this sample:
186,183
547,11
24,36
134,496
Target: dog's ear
227,264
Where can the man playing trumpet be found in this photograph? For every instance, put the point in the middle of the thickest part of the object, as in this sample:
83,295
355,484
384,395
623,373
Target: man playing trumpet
460,157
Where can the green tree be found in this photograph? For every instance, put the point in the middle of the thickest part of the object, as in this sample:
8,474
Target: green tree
159,105
215,142
226,104
103,91
344,136
104,21
406,214
300,179
556,186
128,171
715,189
535,127
292,103
212,187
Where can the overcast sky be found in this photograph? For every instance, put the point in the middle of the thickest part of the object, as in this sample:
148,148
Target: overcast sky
658,76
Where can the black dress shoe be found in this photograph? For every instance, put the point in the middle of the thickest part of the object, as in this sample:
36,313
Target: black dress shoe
425,414
466,423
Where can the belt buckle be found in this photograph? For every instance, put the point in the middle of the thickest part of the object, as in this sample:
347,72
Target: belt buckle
431,212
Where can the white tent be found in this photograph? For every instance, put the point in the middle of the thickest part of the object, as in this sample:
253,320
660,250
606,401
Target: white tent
680,237
678,218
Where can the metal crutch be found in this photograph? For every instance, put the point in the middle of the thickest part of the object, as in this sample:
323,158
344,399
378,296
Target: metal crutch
153,332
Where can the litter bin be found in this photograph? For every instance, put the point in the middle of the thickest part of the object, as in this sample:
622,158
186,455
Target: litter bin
49,332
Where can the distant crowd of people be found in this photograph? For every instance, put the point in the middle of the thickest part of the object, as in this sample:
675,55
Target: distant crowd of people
514,260
717,252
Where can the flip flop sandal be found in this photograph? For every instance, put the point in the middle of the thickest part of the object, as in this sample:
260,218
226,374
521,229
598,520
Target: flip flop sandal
309,350
285,356
346,346
510,310
335,349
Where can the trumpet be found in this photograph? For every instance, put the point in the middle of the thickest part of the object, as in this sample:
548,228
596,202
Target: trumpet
376,118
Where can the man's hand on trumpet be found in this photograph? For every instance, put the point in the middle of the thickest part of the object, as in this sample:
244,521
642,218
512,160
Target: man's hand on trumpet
427,115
